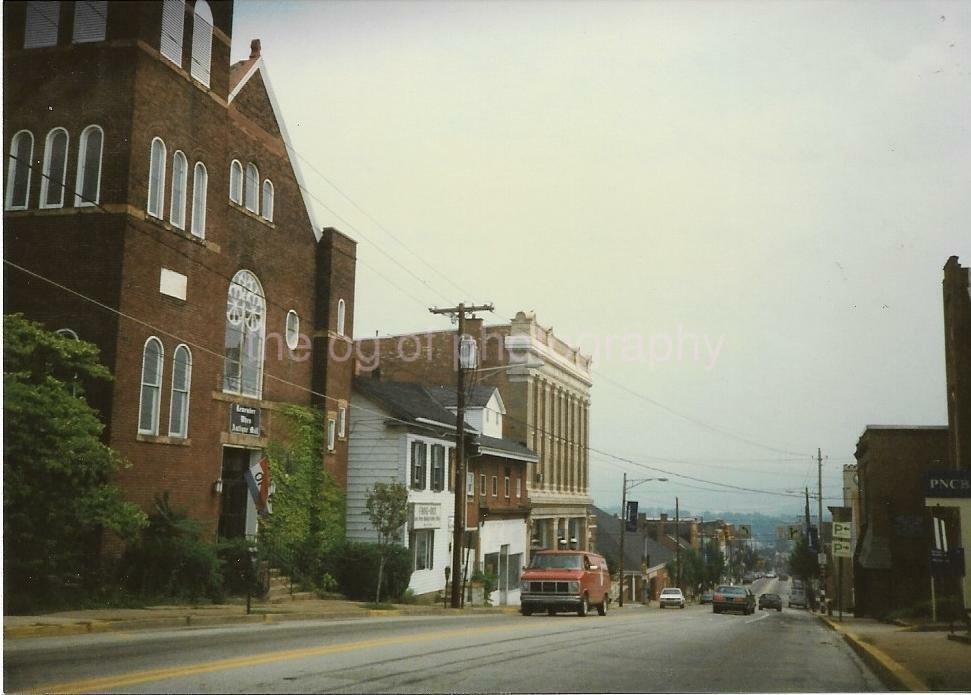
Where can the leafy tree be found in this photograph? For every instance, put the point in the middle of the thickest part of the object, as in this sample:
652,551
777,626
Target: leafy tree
387,507
714,563
692,570
308,506
57,489
802,562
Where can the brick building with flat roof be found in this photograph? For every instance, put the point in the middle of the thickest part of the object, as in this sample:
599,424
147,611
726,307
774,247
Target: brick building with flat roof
151,207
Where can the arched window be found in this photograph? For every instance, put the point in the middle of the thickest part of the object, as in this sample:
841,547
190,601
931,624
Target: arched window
341,311
156,179
151,387
173,24
201,42
252,194
236,182
268,200
180,182
293,329
88,184
55,169
181,378
200,180
40,28
245,326
18,170
90,20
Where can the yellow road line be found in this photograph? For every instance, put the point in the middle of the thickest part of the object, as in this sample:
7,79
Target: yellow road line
121,680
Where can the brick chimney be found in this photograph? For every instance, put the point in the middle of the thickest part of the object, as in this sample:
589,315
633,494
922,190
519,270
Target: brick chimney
254,49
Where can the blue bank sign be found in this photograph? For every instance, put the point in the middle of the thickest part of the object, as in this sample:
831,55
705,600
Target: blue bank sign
947,484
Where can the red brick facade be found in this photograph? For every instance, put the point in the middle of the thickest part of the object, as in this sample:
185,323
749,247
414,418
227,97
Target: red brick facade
114,252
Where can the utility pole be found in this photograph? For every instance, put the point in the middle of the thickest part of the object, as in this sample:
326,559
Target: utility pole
822,551
466,361
623,532
677,538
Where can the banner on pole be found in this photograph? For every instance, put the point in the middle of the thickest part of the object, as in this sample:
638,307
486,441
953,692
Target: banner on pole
258,479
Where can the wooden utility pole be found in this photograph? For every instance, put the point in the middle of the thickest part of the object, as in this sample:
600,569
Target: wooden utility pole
623,532
459,485
822,551
677,538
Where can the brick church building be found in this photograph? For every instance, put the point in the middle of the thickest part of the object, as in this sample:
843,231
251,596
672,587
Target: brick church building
151,206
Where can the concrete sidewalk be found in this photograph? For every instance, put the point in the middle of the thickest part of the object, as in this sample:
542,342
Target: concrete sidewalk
159,617
908,657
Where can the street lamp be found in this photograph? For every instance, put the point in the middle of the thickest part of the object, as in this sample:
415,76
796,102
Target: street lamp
628,485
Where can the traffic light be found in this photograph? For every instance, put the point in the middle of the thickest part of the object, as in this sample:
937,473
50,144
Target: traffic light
630,516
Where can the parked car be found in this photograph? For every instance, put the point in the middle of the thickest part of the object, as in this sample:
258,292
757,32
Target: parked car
770,601
797,597
770,575
733,598
706,596
671,596
565,581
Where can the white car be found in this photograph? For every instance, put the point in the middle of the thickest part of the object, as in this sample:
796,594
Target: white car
671,597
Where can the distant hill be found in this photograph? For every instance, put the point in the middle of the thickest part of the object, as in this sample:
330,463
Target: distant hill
763,525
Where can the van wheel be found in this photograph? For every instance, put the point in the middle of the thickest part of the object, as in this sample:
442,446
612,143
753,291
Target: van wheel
602,607
584,607
526,611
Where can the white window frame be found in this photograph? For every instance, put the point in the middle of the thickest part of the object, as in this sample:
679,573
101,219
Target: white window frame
483,482
27,167
200,194
200,64
96,10
291,333
342,421
506,487
251,198
428,544
156,401
45,181
180,189
433,485
519,487
268,200
470,484
83,143
495,486
174,12
341,316
236,182
416,483
331,431
34,15
182,431
155,206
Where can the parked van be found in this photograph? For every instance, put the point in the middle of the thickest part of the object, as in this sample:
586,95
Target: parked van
565,581
797,597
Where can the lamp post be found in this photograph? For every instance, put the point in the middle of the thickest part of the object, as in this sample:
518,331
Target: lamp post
628,485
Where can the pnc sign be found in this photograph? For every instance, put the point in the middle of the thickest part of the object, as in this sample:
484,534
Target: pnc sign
947,484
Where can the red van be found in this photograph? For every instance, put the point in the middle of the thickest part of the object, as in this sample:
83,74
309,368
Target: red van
565,581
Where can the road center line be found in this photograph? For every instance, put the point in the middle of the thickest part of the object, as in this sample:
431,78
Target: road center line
755,620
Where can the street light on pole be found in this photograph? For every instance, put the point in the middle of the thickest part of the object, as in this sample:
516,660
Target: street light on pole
628,485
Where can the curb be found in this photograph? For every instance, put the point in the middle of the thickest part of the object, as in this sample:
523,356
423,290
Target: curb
892,673
965,639
85,627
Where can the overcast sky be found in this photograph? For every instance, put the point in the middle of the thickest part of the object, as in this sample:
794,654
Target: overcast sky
781,181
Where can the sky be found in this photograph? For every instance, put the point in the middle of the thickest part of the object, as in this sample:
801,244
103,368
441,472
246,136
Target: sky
741,210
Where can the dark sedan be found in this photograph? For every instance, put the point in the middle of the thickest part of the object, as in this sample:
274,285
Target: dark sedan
733,598
770,601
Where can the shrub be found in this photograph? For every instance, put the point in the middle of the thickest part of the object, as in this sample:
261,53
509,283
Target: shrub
169,559
237,567
355,566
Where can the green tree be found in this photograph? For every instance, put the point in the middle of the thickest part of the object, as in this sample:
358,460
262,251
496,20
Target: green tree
57,489
692,574
714,563
802,562
387,507
308,506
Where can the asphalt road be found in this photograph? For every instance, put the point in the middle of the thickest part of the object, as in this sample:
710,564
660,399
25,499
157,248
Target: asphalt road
631,650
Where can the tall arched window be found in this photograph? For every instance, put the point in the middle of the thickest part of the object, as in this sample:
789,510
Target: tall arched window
245,326
40,28
88,184
151,387
156,179
201,42
236,182
55,169
173,25
18,171
200,181
180,182
252,193
90,20
268,200
341,311
181,378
